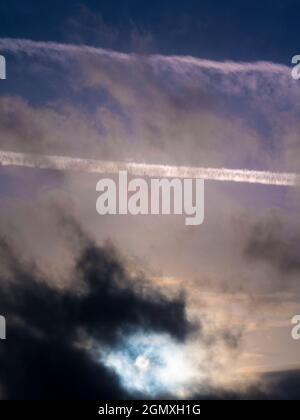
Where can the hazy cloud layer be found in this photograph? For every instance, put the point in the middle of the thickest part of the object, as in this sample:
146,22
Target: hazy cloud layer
239,270
56,336
180,110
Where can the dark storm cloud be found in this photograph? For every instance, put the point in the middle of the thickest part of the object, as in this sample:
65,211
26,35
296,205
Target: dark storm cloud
282,385
274,242
45,356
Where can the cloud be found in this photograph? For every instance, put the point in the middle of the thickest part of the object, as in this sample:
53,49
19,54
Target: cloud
103,104
273,241
282,385
171,109
46,354
56,337
60,276
89,27
66,163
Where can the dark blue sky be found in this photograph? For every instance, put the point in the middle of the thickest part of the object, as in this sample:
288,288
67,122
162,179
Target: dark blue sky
231,29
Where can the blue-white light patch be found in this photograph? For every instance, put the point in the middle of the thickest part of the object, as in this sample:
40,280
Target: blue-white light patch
152,364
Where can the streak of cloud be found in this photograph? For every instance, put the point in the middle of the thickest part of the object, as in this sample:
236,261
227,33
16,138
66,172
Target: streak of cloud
64,163
33,47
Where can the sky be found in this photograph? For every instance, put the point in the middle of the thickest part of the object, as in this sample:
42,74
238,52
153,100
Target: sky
108,307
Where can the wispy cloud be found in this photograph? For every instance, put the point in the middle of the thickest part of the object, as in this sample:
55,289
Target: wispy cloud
64,163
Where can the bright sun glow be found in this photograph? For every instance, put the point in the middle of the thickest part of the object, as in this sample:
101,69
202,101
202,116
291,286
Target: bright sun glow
152,364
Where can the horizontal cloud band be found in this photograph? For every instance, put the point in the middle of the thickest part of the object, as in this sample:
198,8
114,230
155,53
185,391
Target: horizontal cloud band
177,62
64,163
